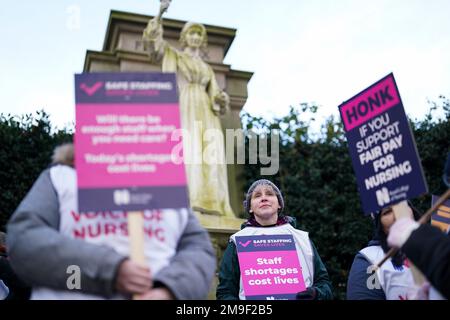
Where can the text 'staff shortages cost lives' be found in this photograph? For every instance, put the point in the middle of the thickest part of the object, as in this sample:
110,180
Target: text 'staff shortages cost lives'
270,267
382,147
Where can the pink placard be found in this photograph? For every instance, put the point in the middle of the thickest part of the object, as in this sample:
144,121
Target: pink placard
127,145
370,103
271,272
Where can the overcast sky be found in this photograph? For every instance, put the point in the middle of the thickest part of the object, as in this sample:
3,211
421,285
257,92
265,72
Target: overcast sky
321,51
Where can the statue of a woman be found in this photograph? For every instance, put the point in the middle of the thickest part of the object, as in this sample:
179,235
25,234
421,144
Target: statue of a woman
201,101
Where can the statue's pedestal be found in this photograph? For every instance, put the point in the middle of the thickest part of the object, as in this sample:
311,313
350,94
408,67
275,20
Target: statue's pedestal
220,229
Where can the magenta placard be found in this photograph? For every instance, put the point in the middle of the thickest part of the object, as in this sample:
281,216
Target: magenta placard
381,143
270,267
127,145
282,277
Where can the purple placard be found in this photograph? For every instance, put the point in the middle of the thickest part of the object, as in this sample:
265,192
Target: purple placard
125,156
270,267
441,217
382,147
127,87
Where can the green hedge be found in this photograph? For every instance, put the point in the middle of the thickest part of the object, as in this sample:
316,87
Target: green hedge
26,143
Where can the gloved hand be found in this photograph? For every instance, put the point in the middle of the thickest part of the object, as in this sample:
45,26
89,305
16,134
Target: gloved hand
309,294
422,292
400,231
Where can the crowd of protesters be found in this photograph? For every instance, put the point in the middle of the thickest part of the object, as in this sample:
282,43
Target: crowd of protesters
40,245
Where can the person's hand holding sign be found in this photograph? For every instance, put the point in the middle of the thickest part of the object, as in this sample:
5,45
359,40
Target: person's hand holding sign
309,294
133,278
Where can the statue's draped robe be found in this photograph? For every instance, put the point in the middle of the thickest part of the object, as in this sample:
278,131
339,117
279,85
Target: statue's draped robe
203,143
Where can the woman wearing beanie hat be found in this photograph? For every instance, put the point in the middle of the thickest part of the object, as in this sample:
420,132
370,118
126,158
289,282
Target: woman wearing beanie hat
264,203
393,280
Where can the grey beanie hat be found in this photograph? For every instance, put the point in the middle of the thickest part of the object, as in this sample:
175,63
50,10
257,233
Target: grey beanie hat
252,188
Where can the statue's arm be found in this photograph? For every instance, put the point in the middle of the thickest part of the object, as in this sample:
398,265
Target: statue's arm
164,5
154,43
152,37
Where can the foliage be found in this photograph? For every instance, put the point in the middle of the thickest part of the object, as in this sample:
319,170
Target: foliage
433,143
319,186
27,144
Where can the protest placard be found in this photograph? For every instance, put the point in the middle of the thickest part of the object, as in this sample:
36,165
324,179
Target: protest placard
270,267
441,217
382,148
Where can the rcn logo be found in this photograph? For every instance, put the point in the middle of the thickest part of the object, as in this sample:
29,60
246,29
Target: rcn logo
383,196
121,197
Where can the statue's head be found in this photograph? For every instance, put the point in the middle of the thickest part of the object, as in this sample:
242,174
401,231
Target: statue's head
190,28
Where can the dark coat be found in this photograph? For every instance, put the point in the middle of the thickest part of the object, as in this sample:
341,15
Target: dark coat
18,290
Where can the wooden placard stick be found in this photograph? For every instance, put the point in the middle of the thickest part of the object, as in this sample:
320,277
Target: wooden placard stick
136,236
424,219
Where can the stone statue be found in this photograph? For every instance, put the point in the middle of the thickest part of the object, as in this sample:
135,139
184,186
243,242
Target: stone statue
201,103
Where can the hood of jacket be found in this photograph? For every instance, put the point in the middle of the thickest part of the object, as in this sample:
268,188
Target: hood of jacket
64,154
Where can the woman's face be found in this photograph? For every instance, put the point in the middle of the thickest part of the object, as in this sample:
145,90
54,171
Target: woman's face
194,37
388,218
264,204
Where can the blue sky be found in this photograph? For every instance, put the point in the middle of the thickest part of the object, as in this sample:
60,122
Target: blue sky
321,51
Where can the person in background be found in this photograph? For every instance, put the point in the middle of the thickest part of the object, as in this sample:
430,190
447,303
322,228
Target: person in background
394,280
4,291
264,203
48,237
427,247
